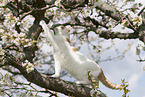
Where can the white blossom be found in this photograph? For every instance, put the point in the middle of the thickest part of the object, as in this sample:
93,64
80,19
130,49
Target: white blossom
29,66
21,35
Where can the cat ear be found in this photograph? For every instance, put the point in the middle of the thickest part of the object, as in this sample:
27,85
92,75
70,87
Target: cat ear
56,31
65,32
61,30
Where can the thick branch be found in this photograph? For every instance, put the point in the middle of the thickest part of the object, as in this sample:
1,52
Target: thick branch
141,32
34,32
103,6
108,10
112,35
54,84
104,34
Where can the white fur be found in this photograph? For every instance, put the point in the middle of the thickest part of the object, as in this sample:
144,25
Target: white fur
72,61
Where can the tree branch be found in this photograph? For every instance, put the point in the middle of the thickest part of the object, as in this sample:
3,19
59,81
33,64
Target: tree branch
51,83
10,70
108,10
112,35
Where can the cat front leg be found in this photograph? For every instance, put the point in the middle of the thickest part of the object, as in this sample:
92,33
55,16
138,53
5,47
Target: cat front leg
57,68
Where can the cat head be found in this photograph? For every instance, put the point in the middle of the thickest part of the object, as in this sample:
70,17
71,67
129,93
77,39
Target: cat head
62,31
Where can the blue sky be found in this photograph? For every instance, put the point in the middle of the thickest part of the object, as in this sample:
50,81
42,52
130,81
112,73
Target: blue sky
127,68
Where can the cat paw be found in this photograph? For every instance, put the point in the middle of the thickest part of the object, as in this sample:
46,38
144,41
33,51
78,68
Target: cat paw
55,75
81,82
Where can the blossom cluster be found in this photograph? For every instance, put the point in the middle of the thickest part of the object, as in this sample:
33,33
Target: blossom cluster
17,38
29,66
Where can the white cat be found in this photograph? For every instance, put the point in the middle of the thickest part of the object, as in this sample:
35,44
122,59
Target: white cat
72,61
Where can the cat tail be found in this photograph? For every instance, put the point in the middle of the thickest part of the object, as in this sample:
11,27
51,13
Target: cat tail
107,83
